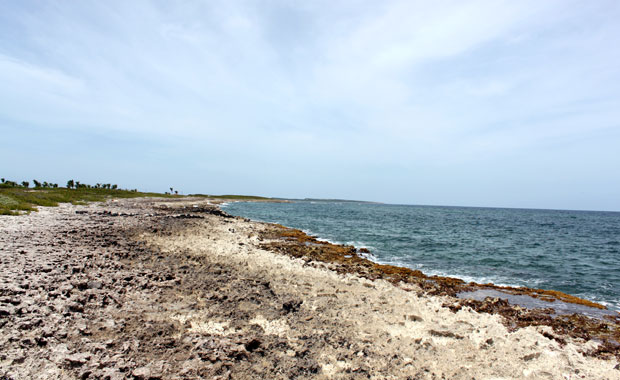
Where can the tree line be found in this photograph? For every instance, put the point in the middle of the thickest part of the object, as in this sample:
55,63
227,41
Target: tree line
71,184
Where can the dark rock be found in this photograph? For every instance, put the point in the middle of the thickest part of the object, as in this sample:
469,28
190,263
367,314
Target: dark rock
10,300
27,342
40,341
252,345
6,311
291,306
76,307
19,359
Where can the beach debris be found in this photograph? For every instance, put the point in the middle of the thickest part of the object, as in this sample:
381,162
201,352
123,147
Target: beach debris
445,334
413,318
529,357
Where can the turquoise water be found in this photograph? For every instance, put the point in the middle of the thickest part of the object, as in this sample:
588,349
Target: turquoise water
576,252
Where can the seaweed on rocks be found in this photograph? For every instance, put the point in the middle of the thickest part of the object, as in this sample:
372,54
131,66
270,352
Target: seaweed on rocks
347,259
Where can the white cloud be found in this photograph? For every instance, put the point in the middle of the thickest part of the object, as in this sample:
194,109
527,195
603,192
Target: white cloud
396,83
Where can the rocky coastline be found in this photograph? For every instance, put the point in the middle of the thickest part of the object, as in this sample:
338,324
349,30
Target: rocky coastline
177,289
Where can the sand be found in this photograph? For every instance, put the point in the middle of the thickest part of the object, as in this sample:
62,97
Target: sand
162,292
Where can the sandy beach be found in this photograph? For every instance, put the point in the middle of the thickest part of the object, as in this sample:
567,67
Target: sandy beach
177,289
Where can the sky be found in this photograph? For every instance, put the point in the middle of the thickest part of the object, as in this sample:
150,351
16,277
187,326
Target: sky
469,103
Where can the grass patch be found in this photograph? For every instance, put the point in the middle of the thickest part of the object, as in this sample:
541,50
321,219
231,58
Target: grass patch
15,201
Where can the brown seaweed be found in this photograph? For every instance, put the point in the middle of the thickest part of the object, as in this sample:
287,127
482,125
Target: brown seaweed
348,259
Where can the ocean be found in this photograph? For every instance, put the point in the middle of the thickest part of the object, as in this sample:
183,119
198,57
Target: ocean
576,252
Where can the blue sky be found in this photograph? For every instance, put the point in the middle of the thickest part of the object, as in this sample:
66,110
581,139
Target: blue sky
473,103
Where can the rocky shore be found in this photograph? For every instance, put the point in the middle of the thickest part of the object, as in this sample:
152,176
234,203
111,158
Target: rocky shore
177,289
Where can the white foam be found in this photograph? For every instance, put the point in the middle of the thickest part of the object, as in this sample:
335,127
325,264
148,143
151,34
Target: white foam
479,280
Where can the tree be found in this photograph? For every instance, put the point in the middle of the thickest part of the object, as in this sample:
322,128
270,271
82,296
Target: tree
70,184
25,183
176,192
36,183
171,189
114,187
3,180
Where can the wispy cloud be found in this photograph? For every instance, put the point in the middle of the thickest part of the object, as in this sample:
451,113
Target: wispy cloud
349,90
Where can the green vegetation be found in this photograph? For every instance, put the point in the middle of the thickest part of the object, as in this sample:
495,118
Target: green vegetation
17,199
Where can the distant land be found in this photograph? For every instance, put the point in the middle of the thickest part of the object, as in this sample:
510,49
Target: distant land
328,200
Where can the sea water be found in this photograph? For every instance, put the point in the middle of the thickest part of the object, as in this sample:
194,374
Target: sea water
576,252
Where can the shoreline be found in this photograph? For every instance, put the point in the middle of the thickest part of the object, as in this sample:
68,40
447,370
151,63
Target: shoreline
163,289
491,284
601,326
547,295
